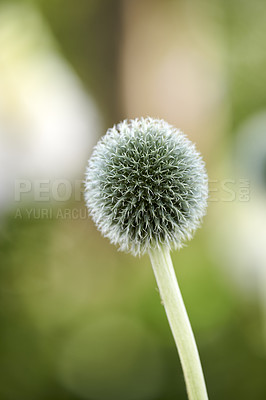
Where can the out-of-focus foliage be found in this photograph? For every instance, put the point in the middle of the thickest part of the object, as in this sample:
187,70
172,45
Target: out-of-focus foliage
79,320
90,34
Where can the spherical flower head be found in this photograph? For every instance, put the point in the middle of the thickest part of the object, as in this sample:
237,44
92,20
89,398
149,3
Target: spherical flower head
146,186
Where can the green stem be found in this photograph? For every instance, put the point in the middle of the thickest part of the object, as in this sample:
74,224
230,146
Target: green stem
179,323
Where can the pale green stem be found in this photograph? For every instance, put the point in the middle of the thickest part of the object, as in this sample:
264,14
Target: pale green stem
179,323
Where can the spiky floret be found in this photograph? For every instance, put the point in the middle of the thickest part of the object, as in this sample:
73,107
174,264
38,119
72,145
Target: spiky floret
146,186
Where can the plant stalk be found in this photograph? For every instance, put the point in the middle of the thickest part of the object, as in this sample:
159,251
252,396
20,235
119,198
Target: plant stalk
179,323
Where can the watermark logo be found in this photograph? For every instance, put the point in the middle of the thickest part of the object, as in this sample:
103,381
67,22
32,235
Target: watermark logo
46,190
229,190
51,213
51,197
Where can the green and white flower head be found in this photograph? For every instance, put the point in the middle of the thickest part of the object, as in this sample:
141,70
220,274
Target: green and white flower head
146,186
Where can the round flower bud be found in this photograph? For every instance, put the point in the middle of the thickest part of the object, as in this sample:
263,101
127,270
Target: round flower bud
146,186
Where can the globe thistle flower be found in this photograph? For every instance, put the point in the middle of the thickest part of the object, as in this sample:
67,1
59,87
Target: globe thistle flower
146,186
146,189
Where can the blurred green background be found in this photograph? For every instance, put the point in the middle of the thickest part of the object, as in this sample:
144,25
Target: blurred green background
78,319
